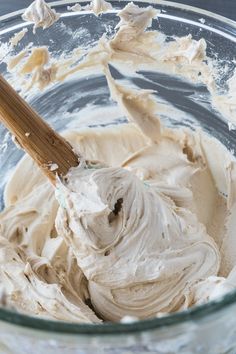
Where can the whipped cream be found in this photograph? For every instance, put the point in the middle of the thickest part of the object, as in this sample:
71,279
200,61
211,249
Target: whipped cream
41,14
161,227
18,37
133,241
98,6
76,7
145,225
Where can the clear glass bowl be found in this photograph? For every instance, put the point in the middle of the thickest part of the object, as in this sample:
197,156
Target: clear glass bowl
207,329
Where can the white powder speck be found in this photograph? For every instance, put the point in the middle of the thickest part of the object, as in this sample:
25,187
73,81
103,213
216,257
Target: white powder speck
16,142
53,167
129,319
231,126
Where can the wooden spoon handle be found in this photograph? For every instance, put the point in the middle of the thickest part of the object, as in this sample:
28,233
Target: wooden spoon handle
34,135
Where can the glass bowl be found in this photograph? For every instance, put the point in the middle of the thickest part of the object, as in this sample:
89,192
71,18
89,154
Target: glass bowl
209,328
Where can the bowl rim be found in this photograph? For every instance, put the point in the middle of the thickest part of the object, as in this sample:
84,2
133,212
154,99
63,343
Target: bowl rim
173,319
165,3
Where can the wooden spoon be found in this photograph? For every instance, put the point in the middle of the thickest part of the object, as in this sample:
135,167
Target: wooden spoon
46,147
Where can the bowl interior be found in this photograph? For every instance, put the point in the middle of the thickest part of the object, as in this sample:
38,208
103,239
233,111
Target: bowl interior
80,99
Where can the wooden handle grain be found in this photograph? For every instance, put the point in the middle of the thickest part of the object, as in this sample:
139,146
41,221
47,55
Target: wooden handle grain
34,135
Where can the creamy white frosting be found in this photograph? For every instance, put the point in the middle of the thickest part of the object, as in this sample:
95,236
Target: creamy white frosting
146,231
137,240
138,48
41,14
18,37
142,260
165,179
98,6
186,48
76,7
36,63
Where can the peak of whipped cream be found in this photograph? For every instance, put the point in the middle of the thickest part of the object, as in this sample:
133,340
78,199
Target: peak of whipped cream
36,63
18,37
76,7
133,21
41,14
99,6
189,49
137,17
96,6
